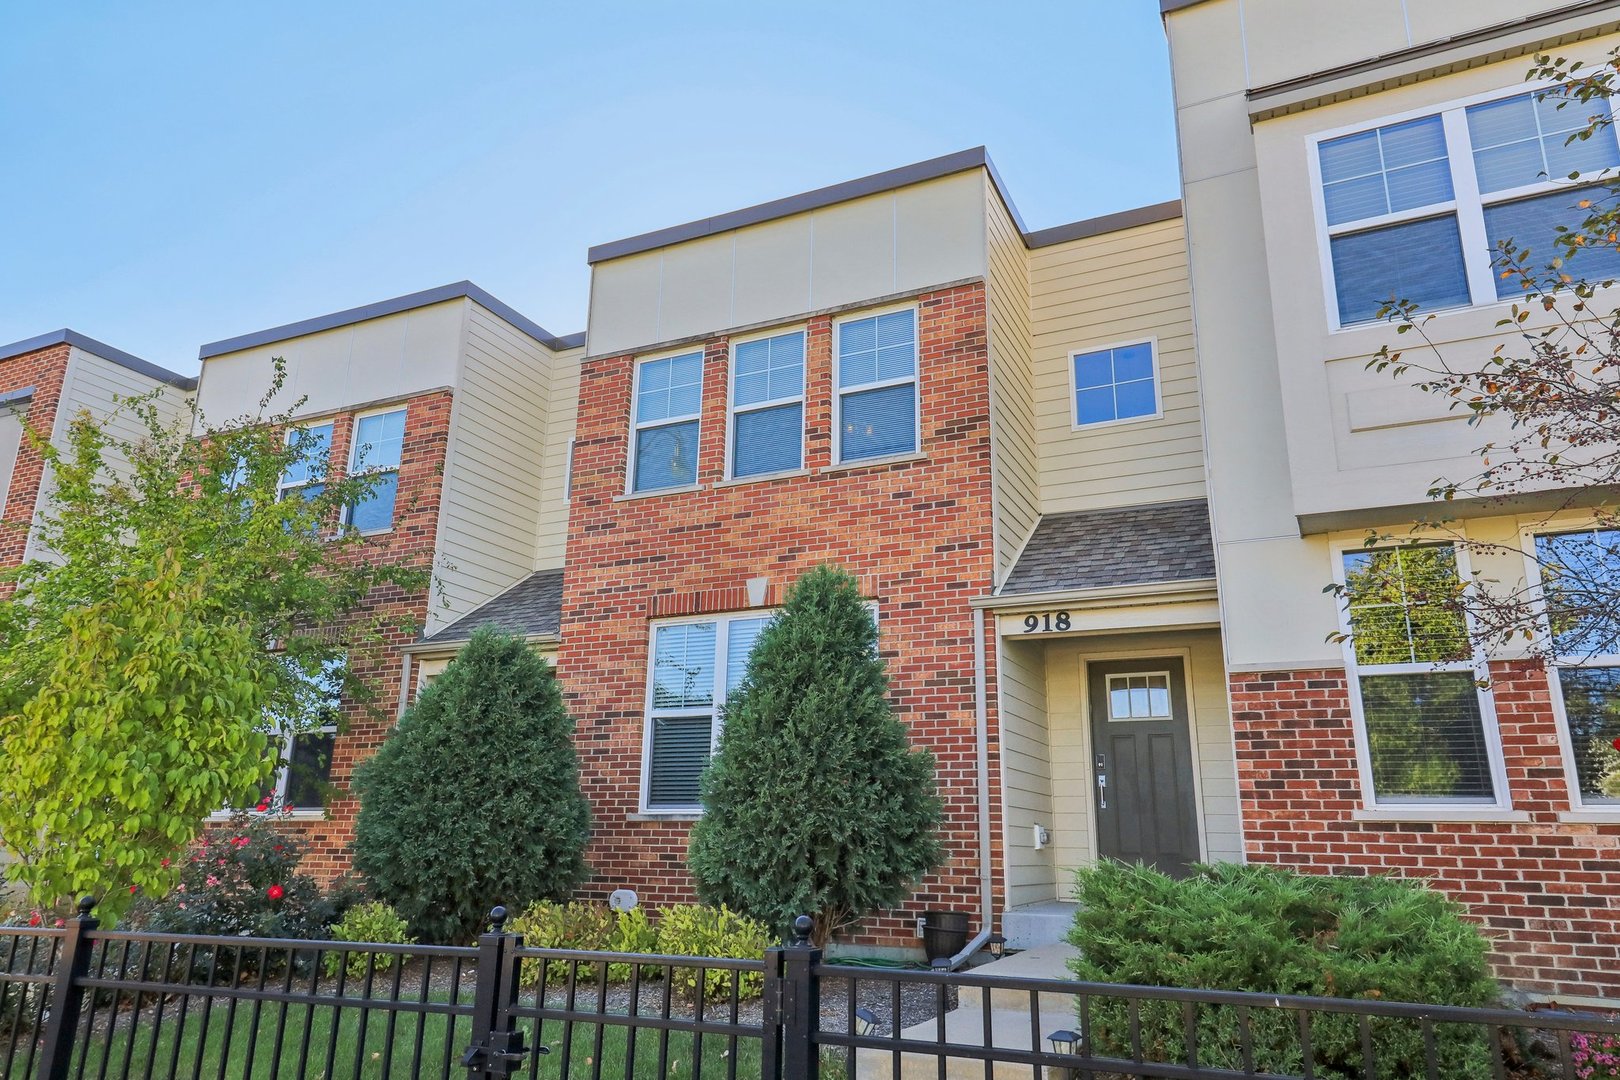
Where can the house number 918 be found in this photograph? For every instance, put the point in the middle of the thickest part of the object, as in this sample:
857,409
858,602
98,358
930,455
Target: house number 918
1046,622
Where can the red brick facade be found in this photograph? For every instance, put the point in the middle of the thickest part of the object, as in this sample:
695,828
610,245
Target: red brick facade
917,533
1547,890
45,370
411,543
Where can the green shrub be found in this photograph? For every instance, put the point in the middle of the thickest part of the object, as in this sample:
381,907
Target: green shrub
717,932
580,925
474,798
374,923
1262,929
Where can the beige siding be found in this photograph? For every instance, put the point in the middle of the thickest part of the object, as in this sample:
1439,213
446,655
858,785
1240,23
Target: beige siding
495,467
1012,412
1114,289
1026,771
552,532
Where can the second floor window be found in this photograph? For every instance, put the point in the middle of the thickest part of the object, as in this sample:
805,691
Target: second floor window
1415,210
876,395
664,442
306,477
767,405
379,446
1115,384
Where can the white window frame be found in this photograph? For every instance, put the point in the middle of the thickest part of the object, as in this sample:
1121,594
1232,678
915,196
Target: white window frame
292,433
637,426
733,410
568,471
1467,203
1152,342
1440,808
356,470
839,391
1108,694
1609,809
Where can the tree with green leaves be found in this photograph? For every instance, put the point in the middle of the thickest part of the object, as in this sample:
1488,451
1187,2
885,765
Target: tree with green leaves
178,621
474,798
815,803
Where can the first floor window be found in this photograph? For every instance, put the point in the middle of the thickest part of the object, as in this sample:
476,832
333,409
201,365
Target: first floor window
1579,574
877,386
664,443
379,447
304,746
695,664
1423,714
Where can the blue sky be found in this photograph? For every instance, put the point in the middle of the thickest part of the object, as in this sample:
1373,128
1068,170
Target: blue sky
179,173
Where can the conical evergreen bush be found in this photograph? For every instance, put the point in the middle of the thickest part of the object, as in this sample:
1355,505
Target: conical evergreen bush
474,798
815,803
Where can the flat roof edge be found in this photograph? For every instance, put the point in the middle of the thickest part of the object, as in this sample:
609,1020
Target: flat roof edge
1168,6
103,350
1107,223
393,306
875,184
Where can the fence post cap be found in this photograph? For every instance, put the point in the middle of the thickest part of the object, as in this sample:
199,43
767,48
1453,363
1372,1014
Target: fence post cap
497,918
801,929
86,903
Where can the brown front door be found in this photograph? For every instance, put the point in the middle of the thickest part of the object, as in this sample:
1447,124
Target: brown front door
1142,763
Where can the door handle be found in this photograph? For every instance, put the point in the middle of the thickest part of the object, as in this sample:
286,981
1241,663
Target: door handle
1102,791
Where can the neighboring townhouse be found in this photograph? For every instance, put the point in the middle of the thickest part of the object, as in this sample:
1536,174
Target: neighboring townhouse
45,382
465,407
996,431
1333,155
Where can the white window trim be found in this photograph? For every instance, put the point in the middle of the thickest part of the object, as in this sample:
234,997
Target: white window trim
1603,809
637,426
568,471
282,487
838,391
355,470
1108,692
1467,202
733,409
1475,665
1152,342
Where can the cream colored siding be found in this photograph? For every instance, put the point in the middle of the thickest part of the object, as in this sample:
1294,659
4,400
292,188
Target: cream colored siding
890,243
1026,771
494,483
1013,463
1115,289
552,534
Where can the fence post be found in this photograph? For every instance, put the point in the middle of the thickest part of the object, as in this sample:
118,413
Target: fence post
801,1004
497,1048
62,1024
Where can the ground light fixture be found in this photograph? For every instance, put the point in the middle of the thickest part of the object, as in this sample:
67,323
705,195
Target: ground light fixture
1064,1042
866,1022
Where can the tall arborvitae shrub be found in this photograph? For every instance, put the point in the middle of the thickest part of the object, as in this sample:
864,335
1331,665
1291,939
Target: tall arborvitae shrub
814,803
474,799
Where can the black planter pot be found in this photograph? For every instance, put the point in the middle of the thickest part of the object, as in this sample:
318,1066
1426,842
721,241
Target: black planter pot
945,933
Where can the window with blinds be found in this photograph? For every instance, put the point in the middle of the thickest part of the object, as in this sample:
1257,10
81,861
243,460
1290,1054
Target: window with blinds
767,405
378,448
1580,584
876,398
1416,210
664,443
695,665
1426,729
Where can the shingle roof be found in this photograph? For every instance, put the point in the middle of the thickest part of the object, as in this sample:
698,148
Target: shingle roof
1133,545
532,606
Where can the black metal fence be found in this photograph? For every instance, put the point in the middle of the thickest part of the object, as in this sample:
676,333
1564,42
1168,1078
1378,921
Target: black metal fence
83,1002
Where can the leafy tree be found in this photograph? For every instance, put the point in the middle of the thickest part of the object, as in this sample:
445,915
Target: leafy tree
814,804
180,615
474,799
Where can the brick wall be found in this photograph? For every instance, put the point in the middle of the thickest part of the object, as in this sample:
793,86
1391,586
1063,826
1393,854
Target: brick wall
44,370
1546,890
916,533
411,542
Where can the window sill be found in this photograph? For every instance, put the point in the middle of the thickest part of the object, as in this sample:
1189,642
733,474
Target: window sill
628,497
1606,816
762,478
665,815
1442,814
873,463
291,815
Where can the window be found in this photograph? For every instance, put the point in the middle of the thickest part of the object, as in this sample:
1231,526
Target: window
379,444
1580,582
1415,210
307,476
767,405
1139,696
305,747
694,666
876,400
1115,384
1414,684
669,397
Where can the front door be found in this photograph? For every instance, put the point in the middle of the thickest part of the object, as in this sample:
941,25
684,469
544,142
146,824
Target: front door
1142,759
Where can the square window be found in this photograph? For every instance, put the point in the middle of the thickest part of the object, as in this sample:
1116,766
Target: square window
1115,384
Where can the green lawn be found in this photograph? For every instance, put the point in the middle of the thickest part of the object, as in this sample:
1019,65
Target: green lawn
417,1047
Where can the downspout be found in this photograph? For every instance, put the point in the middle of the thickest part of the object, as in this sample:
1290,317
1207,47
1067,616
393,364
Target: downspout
407,658
981,715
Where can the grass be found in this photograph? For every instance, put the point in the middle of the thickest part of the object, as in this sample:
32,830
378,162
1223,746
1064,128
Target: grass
270,1042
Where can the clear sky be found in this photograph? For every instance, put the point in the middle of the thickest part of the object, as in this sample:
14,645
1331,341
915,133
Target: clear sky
177,173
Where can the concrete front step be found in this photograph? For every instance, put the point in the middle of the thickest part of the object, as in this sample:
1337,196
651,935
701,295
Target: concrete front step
1034,925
